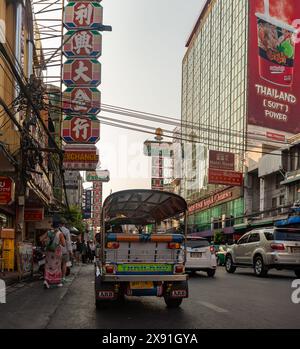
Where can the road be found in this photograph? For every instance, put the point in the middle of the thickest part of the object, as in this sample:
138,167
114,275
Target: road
238,300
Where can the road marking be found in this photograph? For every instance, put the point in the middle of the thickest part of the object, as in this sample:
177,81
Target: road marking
213,307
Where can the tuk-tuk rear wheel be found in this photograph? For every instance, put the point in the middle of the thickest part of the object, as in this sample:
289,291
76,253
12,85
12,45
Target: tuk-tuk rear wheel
173,302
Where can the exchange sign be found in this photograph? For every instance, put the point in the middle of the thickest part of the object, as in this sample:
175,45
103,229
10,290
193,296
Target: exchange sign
82,44
82,100
82,72
83,15
80,157
78,129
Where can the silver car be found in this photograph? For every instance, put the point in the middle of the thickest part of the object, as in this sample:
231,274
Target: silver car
264,249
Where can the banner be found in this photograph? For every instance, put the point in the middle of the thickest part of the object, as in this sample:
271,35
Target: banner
274,64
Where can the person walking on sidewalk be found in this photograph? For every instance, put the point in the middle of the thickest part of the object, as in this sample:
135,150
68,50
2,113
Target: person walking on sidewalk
55,240
84,251
67,249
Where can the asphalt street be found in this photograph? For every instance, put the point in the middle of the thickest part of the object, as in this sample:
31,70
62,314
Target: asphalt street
238,300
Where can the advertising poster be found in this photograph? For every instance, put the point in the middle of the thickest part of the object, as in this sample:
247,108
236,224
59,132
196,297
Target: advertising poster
274,64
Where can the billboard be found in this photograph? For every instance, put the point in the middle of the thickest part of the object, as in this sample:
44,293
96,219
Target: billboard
274,64
77,129
6,190
98,176
81,157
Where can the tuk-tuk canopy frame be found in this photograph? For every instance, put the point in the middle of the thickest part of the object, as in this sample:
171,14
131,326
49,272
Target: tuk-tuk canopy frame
142,206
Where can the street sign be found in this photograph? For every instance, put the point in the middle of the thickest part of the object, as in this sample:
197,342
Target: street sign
80,157
78,129
6,191
221,160
82,100
33,214
83,72
225,177
82,44
98,176
83,15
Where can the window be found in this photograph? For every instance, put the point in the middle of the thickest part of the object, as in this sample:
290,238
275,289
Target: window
281,200
279,178
269,236
197,243
254,237
274,202
243,240
287,235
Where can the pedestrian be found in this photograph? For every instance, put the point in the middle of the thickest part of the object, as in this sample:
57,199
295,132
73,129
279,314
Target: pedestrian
93,250
78,251
67,249
83,252
55,240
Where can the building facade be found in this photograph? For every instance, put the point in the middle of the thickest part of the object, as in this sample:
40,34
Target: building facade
215,116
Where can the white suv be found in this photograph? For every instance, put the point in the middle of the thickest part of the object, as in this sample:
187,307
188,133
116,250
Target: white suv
264,249
200,256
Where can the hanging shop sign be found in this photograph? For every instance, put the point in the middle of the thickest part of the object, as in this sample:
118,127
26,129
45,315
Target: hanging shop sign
85,100
82,130
225,177
33,214
98,176
83,15
157,183
80,157
153,148
88,204
211,201
82,44
83,72
220,160
6,190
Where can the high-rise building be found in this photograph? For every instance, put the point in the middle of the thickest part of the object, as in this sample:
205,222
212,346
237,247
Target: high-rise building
228,103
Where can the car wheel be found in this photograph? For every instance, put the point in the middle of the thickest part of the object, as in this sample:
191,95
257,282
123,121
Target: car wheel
230,268
259,267
173,302
297,273
211,273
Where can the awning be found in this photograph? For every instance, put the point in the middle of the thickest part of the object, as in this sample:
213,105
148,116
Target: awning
202,234
240,226
262,223
291,179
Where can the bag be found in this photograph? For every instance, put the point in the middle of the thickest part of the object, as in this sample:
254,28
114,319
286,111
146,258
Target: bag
52,242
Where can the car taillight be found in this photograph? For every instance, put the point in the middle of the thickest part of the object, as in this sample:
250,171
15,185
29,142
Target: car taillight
179,269
212,250
278,247
113,245
109,269
174,245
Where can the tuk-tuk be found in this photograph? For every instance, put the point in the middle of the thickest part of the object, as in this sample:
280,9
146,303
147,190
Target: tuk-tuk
135,258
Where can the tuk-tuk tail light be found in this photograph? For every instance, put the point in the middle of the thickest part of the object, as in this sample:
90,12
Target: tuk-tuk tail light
174,245
109,269
179,269
113,245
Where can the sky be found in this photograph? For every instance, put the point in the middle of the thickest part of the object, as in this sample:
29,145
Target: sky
141,70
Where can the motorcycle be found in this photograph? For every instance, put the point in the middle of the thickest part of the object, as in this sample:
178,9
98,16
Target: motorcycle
39,261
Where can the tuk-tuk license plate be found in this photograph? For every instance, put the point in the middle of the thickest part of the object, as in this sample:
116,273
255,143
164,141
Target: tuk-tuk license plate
196,254
139,285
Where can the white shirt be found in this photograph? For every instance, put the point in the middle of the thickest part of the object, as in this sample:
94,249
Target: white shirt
67,234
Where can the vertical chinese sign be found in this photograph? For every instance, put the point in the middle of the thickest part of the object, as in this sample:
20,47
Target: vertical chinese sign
82,75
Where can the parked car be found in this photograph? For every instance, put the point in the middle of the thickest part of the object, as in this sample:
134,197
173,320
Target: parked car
221,252
264,249
200,256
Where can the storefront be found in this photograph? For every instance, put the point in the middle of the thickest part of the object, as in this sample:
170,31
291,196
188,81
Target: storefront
217,214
